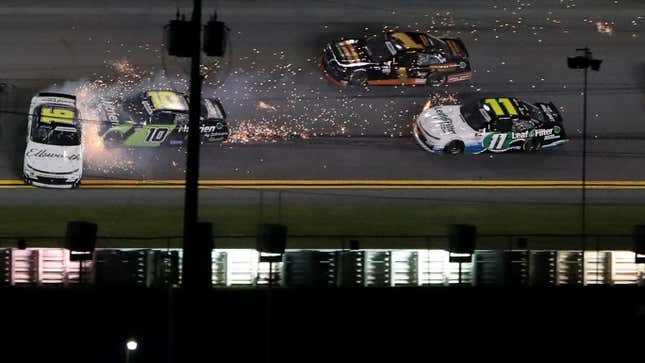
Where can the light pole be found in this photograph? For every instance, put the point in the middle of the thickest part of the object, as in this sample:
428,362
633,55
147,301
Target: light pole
130,346
192,154
183,39
584,61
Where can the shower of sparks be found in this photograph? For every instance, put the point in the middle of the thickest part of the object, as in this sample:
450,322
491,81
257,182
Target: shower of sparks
125,68
437,99
122,79
604,28
265,106
251,132
276,95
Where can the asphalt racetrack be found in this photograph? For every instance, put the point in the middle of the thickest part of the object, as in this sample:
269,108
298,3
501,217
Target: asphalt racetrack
289,123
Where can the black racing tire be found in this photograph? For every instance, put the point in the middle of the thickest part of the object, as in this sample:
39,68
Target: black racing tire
454,147
436,80
358,78
531,145
112,139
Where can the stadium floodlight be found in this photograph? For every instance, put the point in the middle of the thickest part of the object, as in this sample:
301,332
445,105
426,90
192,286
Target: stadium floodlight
578,62
177,37
215,37
584,61
595,64
179,41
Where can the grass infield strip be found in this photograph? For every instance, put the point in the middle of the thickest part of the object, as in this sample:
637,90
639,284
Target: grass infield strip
373,220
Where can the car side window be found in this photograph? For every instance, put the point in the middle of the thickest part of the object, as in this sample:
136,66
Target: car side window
162,118
522,125
403,59
503,125
426,59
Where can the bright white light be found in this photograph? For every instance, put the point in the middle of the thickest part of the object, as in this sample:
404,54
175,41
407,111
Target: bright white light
132,344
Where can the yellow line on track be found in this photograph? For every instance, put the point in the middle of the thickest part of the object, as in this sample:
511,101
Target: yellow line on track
347,184
256,182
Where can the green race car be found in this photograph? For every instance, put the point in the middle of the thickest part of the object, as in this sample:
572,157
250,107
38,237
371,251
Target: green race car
156,118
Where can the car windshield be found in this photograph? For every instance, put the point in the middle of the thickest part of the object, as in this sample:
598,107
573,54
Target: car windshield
474,115
426,59
135,109
378,50
168,117
62,136
166,100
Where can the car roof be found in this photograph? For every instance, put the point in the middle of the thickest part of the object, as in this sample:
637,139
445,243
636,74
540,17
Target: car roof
410,40
505,107
52,114
161,102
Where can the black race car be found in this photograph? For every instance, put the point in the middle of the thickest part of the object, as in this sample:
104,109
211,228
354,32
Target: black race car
396,58
157,118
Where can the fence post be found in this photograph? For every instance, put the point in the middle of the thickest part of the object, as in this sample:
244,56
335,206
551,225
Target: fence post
280,206
261,207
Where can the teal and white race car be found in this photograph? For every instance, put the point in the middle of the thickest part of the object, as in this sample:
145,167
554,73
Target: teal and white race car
156,118
489,124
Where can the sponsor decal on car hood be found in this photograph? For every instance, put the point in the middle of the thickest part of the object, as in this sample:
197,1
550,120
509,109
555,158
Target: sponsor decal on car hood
53,158
443,121
111,112
350,52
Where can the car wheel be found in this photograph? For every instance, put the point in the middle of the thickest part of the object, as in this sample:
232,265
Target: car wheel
454,147
436,80
358,78
531,145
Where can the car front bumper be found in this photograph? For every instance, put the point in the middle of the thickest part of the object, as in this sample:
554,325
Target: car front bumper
424,141
56,182
332,76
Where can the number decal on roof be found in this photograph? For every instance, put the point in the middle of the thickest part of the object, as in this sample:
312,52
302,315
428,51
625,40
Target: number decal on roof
166,100
407,41
510,108
55,114
497,103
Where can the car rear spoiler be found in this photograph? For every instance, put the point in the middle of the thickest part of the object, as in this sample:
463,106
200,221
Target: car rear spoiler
457,47
54,94
551,112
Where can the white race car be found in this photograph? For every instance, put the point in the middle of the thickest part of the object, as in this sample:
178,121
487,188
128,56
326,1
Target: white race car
490,124
54,154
